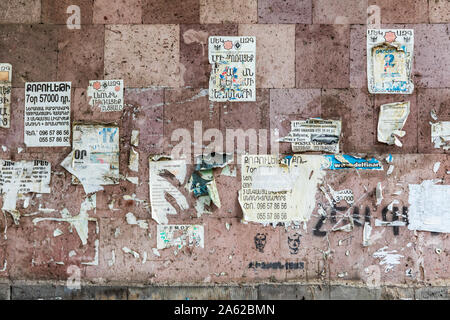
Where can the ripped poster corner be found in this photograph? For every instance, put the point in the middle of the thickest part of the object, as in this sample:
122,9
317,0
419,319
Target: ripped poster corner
180,236
5,95
314,135
233,68
106,95
345,161
202,183
94,159
440,135
391,120
212,160
275,190
429,210
20,177
159,186
389,60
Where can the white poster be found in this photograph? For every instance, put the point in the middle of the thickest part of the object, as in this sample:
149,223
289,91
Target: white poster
391,121
106,94
47,114
5,94
233,68
389,60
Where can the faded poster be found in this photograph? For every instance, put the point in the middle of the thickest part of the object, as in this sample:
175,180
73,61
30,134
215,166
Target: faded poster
94,159
314,135
5,94
233,68
440,134
106,94
345,161
389,60
47,114
391,121
180,236
280,190
160,186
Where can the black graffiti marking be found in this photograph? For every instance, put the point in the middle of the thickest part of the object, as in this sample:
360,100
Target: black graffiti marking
319,225
395,217
277,265
294,243
260,241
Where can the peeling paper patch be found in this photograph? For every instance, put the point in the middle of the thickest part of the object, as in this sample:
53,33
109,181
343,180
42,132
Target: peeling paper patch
106,94
133,162
440,135
156,252
160,186
388,258
57,232
380,223
131,219
314,135
366,234
212,160
180,236
296,204
344,161
379,193
133,180
135,138
233,68
391,120
429,207
226,171
5,95
346,195
202,183
389,60
436,167
128,250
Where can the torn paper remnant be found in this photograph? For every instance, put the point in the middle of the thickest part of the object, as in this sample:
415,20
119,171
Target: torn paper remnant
133,160
391,121
5,94
429,209
233,68
202,183
345,161
440,134
47,114
389,60
106,94
212,160
94,160
180,236
296,204
314,135
159,187
20,177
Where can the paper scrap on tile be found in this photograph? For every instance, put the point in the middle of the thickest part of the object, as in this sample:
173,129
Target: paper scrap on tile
295,204
180,236
391,120
47,114
202,183
345,161
20,177
94,160
389,60
233,68
440,134
314,135
159,186
429,207
5,95
106,95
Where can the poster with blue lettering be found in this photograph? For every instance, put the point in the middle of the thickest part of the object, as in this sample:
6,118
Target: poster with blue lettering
233,68
389,60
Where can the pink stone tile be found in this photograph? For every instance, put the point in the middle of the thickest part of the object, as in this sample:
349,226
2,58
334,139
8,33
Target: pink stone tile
150,58
254,125
427,100
339,12
410,143
435,265
355,108
194,51
287,105
80,55
275,68
439,11
117,12
228,188
290,11
182,109
228,11
432,61
403,11
31,50
55,12
319,68
358,57
20,11
160,11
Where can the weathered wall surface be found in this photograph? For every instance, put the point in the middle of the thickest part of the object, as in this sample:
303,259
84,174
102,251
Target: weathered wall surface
311,62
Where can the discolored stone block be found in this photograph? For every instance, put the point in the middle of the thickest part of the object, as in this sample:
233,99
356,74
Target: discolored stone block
117,12
228,11
170,11
58,12
290,11
20,11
